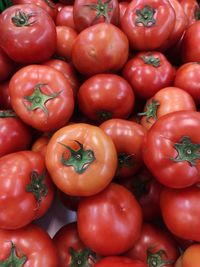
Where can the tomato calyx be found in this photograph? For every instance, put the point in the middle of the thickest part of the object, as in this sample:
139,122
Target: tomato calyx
104,115
13,260
124,159
81,258
21,19
151,60
197,13
38,100
80,159
151,110
102,9
7,113
187,151
37,187
156,259
145,16
5,4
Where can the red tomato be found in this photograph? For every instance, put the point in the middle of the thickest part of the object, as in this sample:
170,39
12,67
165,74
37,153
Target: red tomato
128,138
14,134
40,144
87,13
27,33
100,48
180,211
191,9
106,96
70,249
155,246
165,101
148,24
109,222
148,72
6,66
81,159
42,97
27,246
122,9
26,189
65,17
119,261
171,149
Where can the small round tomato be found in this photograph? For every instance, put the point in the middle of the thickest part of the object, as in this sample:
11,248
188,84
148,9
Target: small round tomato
81,159
106,96
119,261
42,97
27,33
109,222
65,17
26,189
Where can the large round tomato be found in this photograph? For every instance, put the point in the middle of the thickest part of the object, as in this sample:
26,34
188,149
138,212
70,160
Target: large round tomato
27,246
171,149
106,96
109,222
27,33
26,191
81,159
42,97
119,261
100,48
148,24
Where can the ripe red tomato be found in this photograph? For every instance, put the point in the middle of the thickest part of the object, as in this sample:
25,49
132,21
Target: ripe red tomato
119,261
191,9
109,222
42,97
148,72
27,246
148,24
171,149
100,48
81,159
27,33
106,96
26,189
65,17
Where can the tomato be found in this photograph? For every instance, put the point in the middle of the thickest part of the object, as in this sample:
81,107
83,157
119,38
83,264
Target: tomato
87,13
100,48
81,159
65,17
40,144
65,39
155,246
6,66
42,97
187,78
109,222
27,33
190,50
191,9
27,246
70,249
14,134
148,24
4,96
26,189
171,149
148,72
119,261
191,256
122,9
180,211
166,100
105,96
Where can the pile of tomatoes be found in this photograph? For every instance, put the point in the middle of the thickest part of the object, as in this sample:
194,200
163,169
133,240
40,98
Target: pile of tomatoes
99,105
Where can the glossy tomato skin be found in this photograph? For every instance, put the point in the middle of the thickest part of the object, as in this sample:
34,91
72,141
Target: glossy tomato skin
21,173
65,17
101,48
14,134
87,13
191,9
148,72
119,261
32,43
151,32
109,222
105,96
81,159
180,211
165,101
191,256
162,149
30,241
128,138
152,240
46,101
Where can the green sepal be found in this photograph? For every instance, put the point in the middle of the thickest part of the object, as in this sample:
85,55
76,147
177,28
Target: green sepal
81,258
8,113
102,9
145,16
156,259
151,110
151,60
21,19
